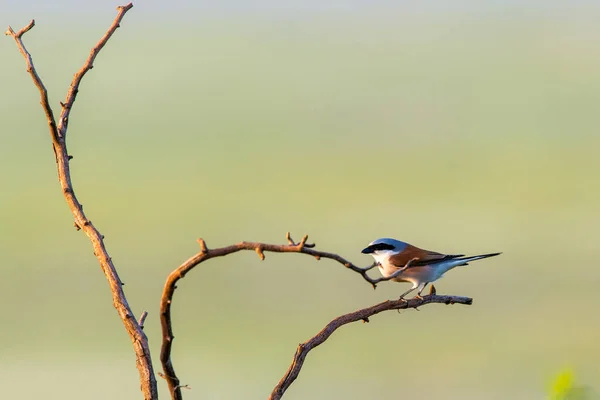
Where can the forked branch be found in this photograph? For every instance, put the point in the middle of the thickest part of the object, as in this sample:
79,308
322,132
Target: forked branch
360,315
205,254
58,133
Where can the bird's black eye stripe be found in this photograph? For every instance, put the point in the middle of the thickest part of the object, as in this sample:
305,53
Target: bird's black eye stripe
381,246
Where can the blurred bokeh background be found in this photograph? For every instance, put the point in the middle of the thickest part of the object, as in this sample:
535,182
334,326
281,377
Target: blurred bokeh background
459,127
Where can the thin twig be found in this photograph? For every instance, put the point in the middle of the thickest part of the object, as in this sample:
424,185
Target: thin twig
58,134
36,80
67,105
360,315
396,273
206,254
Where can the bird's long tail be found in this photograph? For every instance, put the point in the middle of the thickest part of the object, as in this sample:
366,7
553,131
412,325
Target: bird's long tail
459,261
466,260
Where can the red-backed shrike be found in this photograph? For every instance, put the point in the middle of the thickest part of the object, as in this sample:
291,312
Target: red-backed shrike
408,263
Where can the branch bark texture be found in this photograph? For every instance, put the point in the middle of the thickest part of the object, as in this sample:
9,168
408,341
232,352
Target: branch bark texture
58,133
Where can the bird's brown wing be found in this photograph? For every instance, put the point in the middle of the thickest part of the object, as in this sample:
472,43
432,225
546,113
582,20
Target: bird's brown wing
424,257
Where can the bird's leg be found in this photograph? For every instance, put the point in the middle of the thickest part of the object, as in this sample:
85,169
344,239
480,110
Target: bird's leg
407,292
418,296
398,272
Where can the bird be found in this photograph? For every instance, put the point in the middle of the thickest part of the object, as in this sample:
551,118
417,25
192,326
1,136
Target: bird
408,263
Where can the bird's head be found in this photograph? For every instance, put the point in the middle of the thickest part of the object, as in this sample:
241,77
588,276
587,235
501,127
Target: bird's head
384,247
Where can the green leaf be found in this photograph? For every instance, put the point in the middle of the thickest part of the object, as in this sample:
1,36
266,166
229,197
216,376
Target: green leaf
562,385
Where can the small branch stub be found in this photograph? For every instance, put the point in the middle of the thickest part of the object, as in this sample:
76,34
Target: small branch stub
203,248
260,253
142,317
289,239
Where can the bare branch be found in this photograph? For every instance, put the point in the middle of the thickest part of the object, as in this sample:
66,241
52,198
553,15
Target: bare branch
205,254
360,315
58,135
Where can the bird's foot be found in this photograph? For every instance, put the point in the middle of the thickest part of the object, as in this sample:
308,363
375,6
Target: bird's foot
405,304
418,297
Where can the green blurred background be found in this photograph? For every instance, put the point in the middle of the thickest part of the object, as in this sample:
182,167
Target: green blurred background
465,127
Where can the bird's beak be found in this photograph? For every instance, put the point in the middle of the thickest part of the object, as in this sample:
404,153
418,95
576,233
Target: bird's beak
367,250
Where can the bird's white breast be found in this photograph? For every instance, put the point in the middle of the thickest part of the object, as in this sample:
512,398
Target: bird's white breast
382,257
385,267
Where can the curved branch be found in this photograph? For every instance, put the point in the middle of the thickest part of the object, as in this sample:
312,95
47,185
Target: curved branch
205,254
58,135
360,315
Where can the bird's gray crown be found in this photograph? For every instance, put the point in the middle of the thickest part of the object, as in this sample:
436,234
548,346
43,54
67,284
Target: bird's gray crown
384,244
